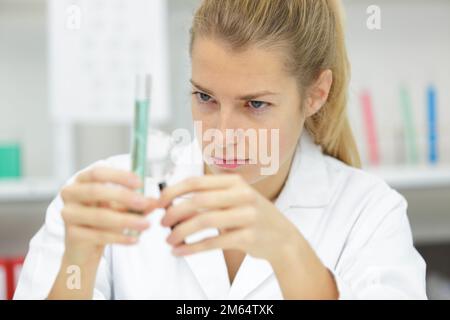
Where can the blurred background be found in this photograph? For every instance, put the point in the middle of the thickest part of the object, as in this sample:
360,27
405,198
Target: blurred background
66,99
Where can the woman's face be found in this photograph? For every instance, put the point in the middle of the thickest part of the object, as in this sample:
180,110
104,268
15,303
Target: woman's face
250,93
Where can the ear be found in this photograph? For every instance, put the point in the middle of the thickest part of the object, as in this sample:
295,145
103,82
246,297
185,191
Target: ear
318,92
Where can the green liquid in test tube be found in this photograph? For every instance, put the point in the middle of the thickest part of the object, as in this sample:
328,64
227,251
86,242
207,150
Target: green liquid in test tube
140,132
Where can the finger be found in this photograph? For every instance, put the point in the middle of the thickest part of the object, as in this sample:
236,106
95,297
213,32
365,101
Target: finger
101,218
100,237
117,206
201,183
152,204
97,192
114,205
104,204
206,201
103,174
221,219
229,240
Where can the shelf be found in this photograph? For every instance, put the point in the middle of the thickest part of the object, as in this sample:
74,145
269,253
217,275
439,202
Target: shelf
414,177
407,177
28,189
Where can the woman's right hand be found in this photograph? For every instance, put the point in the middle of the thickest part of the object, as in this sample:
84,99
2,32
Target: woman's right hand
96,212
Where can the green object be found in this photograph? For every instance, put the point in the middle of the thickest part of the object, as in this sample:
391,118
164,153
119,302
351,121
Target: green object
10,161
140,129
408,122
139,150
139,135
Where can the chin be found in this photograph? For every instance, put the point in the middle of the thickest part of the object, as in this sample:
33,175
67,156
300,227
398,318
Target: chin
249,173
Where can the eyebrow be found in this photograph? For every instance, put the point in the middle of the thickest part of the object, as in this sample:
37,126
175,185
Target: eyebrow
249,96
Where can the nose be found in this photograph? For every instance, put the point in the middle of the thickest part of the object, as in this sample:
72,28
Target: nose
227,121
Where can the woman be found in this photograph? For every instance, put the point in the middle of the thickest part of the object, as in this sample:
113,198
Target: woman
315,228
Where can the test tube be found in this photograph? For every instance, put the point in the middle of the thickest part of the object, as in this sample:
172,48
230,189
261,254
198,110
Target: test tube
139,134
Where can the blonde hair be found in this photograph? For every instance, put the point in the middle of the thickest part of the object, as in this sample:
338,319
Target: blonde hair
311,36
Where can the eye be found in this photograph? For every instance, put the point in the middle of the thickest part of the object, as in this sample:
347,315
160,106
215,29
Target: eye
202,97
257,105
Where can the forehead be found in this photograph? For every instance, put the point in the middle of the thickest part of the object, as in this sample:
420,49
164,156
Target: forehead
214,62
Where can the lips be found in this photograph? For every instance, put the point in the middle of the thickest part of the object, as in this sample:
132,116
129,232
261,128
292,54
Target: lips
229,163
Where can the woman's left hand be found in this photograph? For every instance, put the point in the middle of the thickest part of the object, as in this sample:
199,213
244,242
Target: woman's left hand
247,221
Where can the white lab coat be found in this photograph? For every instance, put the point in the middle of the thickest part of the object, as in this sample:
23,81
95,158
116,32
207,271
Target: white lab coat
355,222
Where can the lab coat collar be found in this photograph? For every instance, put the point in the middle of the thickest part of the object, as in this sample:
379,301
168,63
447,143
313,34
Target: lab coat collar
306,188
307,185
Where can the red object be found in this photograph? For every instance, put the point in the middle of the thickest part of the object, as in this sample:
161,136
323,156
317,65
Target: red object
369,121
9,276
3,279
15,269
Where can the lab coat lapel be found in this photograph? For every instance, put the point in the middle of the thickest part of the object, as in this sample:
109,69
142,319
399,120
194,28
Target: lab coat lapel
208,267
307,190
252,272
302,200
210,270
